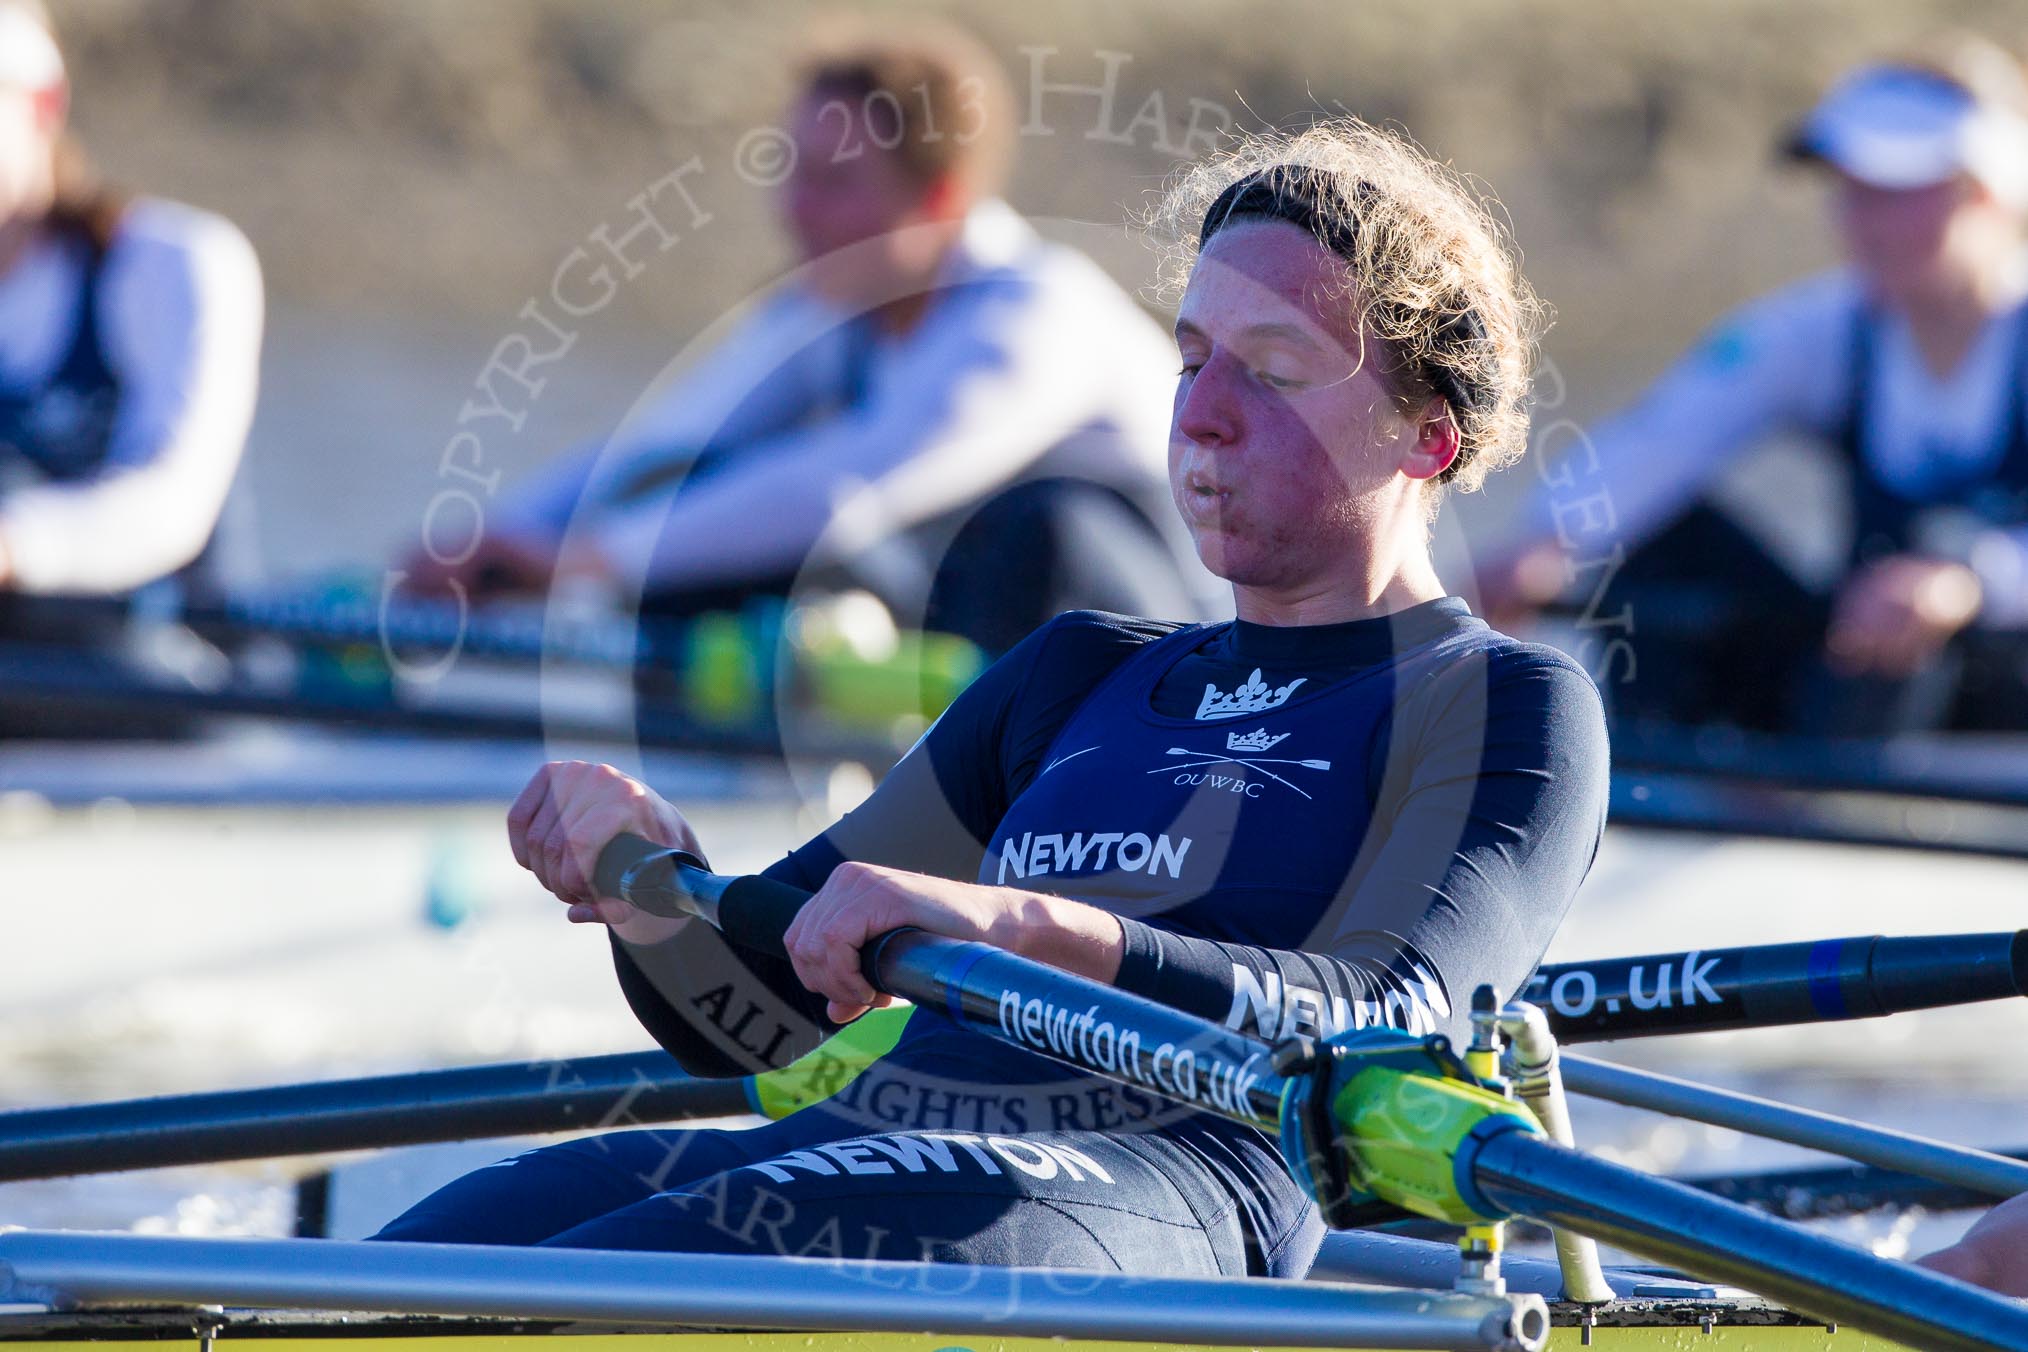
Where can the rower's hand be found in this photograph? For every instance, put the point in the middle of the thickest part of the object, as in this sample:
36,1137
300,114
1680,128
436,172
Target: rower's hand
567,814
504,563
859,901
1993,1253
1893,617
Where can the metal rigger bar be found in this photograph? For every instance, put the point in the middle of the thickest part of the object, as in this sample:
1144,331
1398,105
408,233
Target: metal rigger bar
1503,1171
721,1291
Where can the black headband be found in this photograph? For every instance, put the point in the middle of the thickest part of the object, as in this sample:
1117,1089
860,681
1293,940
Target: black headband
1296,194
1311,198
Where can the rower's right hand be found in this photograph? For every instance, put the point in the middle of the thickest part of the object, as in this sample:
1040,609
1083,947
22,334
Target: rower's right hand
567,814
502,564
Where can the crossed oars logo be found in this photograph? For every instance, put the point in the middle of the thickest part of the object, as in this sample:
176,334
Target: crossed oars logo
1255,763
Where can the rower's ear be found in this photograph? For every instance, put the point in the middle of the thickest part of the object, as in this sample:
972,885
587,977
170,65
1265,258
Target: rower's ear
1436,442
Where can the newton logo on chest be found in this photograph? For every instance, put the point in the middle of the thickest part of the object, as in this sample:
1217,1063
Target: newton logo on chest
1037,853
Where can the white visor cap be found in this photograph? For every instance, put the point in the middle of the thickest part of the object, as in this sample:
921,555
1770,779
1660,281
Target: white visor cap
28,55
1896,127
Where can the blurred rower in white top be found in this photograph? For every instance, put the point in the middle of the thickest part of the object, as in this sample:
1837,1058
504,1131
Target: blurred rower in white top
129,353
938,404
1910,361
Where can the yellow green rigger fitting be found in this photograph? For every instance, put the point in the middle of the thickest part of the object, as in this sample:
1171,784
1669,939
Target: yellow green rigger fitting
1383,1116
828,1068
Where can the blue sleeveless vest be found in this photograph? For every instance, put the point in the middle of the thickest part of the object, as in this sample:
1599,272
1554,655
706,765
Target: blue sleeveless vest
1884,522
63,427
1266,804
1241,828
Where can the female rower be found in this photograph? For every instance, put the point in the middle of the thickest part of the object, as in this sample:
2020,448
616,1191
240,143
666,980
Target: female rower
1908,364
129,350
1351,806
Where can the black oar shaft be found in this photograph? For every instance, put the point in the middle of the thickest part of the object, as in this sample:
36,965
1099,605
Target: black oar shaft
1724,1241
432,626
991,992
1771,985
359,1114
442,626
42,678
1144,1045
1028,1004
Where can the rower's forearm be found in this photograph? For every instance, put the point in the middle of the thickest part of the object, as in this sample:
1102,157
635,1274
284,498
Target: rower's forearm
1070,935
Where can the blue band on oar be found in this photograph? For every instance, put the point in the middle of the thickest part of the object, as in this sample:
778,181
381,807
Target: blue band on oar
1827,993
954,985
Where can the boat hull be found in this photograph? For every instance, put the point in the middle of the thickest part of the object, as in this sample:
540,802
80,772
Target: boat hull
1626,1326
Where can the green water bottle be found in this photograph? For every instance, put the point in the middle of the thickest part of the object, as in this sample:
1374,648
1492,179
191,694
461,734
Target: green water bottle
353,673
846,664
857,670
727,674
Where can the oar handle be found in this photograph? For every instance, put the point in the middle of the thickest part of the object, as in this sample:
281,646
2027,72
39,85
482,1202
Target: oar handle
752,911
1698,991
755,912
1196,1063
625,860
1000,994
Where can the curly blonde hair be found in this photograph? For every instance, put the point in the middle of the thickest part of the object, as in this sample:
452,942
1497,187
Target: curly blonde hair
1433,275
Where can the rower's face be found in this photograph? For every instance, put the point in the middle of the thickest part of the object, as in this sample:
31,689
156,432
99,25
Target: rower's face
1284,438
851,206
1911,241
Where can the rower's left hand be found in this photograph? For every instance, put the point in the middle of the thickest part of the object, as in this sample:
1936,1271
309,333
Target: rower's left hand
1894,616
859,901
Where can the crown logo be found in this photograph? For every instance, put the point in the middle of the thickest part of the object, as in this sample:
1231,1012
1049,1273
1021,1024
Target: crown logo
1252,697
1257,740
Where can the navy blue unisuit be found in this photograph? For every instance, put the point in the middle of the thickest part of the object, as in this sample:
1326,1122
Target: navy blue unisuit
1302,829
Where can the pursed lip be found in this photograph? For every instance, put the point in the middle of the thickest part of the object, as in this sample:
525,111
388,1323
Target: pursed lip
1204,499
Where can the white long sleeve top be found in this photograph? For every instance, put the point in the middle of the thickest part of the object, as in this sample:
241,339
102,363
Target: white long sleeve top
180,313
1029,362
